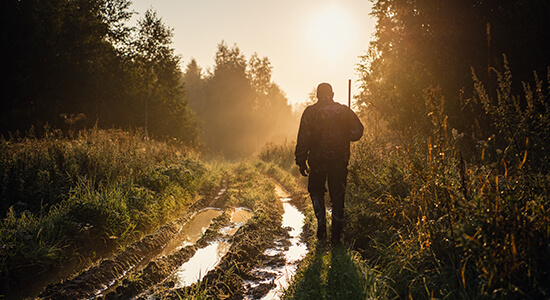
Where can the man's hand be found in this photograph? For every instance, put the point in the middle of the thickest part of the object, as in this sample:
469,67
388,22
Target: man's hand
304,170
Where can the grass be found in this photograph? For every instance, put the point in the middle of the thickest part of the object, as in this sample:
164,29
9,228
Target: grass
66,198
335,273
425,221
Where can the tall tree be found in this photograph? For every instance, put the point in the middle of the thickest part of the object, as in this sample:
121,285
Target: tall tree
239,105
161,94
52,53
421,44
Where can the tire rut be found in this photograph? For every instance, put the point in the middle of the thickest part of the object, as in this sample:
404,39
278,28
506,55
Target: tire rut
98,278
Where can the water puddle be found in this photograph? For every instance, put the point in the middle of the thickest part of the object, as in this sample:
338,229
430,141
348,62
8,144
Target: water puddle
192,231
204,260
188,234
207,258
279,275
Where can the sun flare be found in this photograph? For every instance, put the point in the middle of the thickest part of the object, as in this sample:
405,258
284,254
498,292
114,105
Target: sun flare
331,32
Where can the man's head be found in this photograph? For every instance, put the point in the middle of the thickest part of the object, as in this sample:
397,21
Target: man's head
324,91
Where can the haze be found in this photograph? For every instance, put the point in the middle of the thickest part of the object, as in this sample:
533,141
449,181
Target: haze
307,42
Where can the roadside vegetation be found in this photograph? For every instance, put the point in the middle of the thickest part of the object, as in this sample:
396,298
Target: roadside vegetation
69,199
433,216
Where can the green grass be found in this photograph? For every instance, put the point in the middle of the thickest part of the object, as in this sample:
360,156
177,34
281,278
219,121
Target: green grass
68,198
335,273
432,223
439,229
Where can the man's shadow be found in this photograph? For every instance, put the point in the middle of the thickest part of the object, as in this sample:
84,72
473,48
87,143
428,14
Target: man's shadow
344,279
331,274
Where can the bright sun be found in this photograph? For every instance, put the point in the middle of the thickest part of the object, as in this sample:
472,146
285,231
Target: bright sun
331,32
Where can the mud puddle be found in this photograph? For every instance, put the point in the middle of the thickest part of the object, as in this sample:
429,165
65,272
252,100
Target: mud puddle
188,234
207,258
282,259
191,231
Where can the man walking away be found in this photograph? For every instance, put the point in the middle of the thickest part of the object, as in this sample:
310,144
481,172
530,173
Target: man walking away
326,130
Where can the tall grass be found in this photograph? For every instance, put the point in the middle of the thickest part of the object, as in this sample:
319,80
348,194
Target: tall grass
64,197
454,216
440,226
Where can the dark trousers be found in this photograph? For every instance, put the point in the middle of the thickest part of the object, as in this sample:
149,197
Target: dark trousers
336,175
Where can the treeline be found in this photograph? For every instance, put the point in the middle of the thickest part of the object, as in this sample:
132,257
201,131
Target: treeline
239,105
425,55
77,63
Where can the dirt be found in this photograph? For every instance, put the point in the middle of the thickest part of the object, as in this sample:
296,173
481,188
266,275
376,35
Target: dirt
144,269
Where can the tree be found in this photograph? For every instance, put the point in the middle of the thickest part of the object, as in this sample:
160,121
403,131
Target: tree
422,44
161,92
66,58
239,105
55,55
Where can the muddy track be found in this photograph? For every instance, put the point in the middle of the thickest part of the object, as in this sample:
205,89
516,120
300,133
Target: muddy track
256,263
145,270
98,277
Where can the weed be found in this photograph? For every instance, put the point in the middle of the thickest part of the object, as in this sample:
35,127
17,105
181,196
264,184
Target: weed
63,197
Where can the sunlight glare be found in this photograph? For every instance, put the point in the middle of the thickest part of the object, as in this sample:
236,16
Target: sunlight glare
331,32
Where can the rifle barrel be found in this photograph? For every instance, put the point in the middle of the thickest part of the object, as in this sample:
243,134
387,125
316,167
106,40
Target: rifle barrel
349,93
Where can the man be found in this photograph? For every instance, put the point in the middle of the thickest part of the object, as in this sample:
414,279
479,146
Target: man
326,130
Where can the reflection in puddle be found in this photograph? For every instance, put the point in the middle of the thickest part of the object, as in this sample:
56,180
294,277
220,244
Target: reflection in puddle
294,220
191,231
204,260
207,258
241,215
188,234
297,250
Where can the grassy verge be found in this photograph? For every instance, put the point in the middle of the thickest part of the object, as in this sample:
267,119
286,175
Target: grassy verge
439,228
335,273
71,198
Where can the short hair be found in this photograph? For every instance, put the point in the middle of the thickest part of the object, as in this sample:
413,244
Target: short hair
323,90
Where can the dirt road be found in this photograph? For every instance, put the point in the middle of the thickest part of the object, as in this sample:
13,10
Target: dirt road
224,252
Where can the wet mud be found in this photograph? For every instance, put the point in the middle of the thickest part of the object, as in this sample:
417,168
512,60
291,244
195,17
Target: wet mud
230,254
97,279
260,263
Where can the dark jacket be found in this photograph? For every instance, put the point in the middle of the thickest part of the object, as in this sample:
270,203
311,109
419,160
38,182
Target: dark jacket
326,130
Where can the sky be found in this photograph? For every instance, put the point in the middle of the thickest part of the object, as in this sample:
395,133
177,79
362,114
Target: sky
306,41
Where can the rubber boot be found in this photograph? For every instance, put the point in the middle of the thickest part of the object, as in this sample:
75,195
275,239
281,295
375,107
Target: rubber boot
337,226
321,230
319,208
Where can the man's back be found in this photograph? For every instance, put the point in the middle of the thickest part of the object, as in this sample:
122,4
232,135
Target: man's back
324,137
326,130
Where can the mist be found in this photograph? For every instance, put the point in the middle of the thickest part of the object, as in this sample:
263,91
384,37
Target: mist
238,106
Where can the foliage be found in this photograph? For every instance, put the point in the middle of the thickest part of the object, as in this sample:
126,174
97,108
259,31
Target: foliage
63,198
280,154
80,57
448,192
240,107
440,226
522,123
422,44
